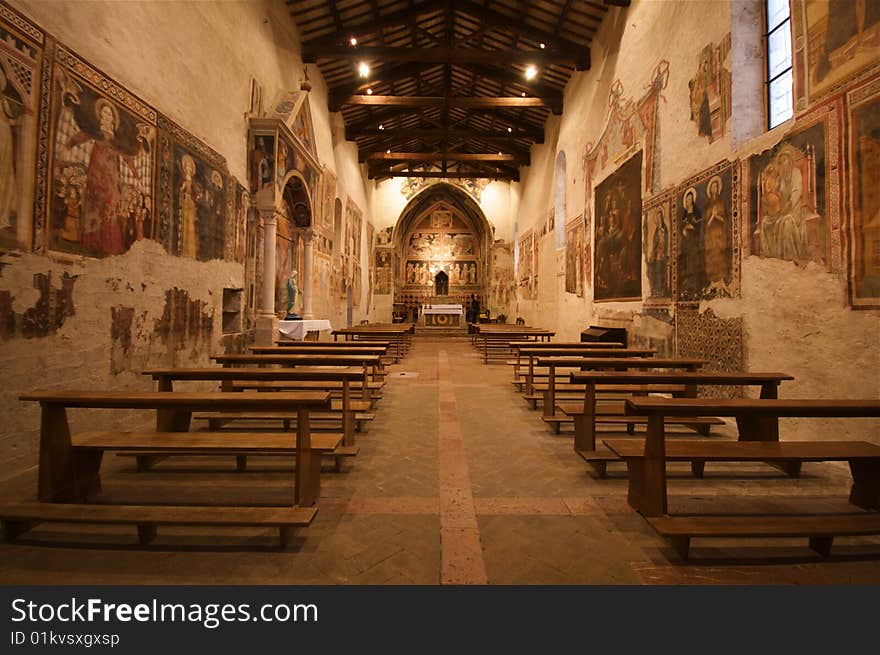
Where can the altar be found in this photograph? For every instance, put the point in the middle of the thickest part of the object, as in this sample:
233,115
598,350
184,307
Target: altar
298,330
442,315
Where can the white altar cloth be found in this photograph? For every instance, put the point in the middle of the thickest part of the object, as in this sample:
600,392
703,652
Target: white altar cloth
443,309
296,330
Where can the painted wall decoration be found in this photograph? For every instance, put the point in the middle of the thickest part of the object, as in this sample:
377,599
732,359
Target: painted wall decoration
328,196
618,202
834,41
710,98
196,213
864,160
706,228
472,186
262,162
719,341
384,271
794,193
21,56
101,163
502,285
631,126
657,245
525,266
353,228
574,274
383,237
440,240
237,243
371,270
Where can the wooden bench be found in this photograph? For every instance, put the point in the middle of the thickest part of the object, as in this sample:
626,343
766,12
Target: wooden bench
69,465
369,363
600,363
643,382
399,336
69,473
495,342
217,420
335,387
532,354
820,529
227,377
647,483
332,349
18,518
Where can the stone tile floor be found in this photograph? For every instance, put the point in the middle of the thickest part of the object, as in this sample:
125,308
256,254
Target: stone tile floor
457,481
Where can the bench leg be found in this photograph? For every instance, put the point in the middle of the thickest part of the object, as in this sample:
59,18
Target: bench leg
601,468
241,463
821,545
865,492
584,435
146,534
698,467
12,529
630,428
681,544
86,471
285,536
635,472
337,463
146,462
533,403
701,429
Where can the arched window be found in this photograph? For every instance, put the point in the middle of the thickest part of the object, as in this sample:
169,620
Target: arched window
337,227
778,39
559,200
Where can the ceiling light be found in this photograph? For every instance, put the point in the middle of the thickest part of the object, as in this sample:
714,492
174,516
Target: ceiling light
531,71
369,92
499,153
388,152
363,69
381,127
353,41
509,130
541,45
523,94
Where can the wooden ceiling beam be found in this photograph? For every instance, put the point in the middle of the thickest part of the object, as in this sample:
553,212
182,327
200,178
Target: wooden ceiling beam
617,3
576,53
456,175
440,156
464,102
443,55
500,136
374,25
386,76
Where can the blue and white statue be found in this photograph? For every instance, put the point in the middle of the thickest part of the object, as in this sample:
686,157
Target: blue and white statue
292,290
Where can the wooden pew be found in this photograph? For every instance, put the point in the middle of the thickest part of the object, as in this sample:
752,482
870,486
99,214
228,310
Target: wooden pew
600,363
495,340
400,336
555,345
534,353
69,465
238,379
642,382
367,362
647,468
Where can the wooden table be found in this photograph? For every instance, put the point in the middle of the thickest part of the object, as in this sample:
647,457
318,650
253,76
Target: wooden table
65,478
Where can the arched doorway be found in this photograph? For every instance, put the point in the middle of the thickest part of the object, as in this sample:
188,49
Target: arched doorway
441,245
290,256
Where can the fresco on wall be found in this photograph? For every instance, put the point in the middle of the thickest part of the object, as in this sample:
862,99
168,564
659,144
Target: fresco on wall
525,265
631,126
286,248
411,186
502,285
21,54
353,227
618,202
262,160
710,99
718,341
383,237
197,214
384,271
657,240
371,263
706,229
574,274
101,163
356,284
834,41
236,245
864,159
328,195
794,193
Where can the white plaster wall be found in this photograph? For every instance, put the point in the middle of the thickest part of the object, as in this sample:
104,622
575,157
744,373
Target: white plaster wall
795,318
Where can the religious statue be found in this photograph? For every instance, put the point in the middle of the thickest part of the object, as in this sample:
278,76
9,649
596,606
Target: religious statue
291,298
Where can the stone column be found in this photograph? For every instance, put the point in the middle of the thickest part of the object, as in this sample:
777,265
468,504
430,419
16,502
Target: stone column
308,258
267,320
